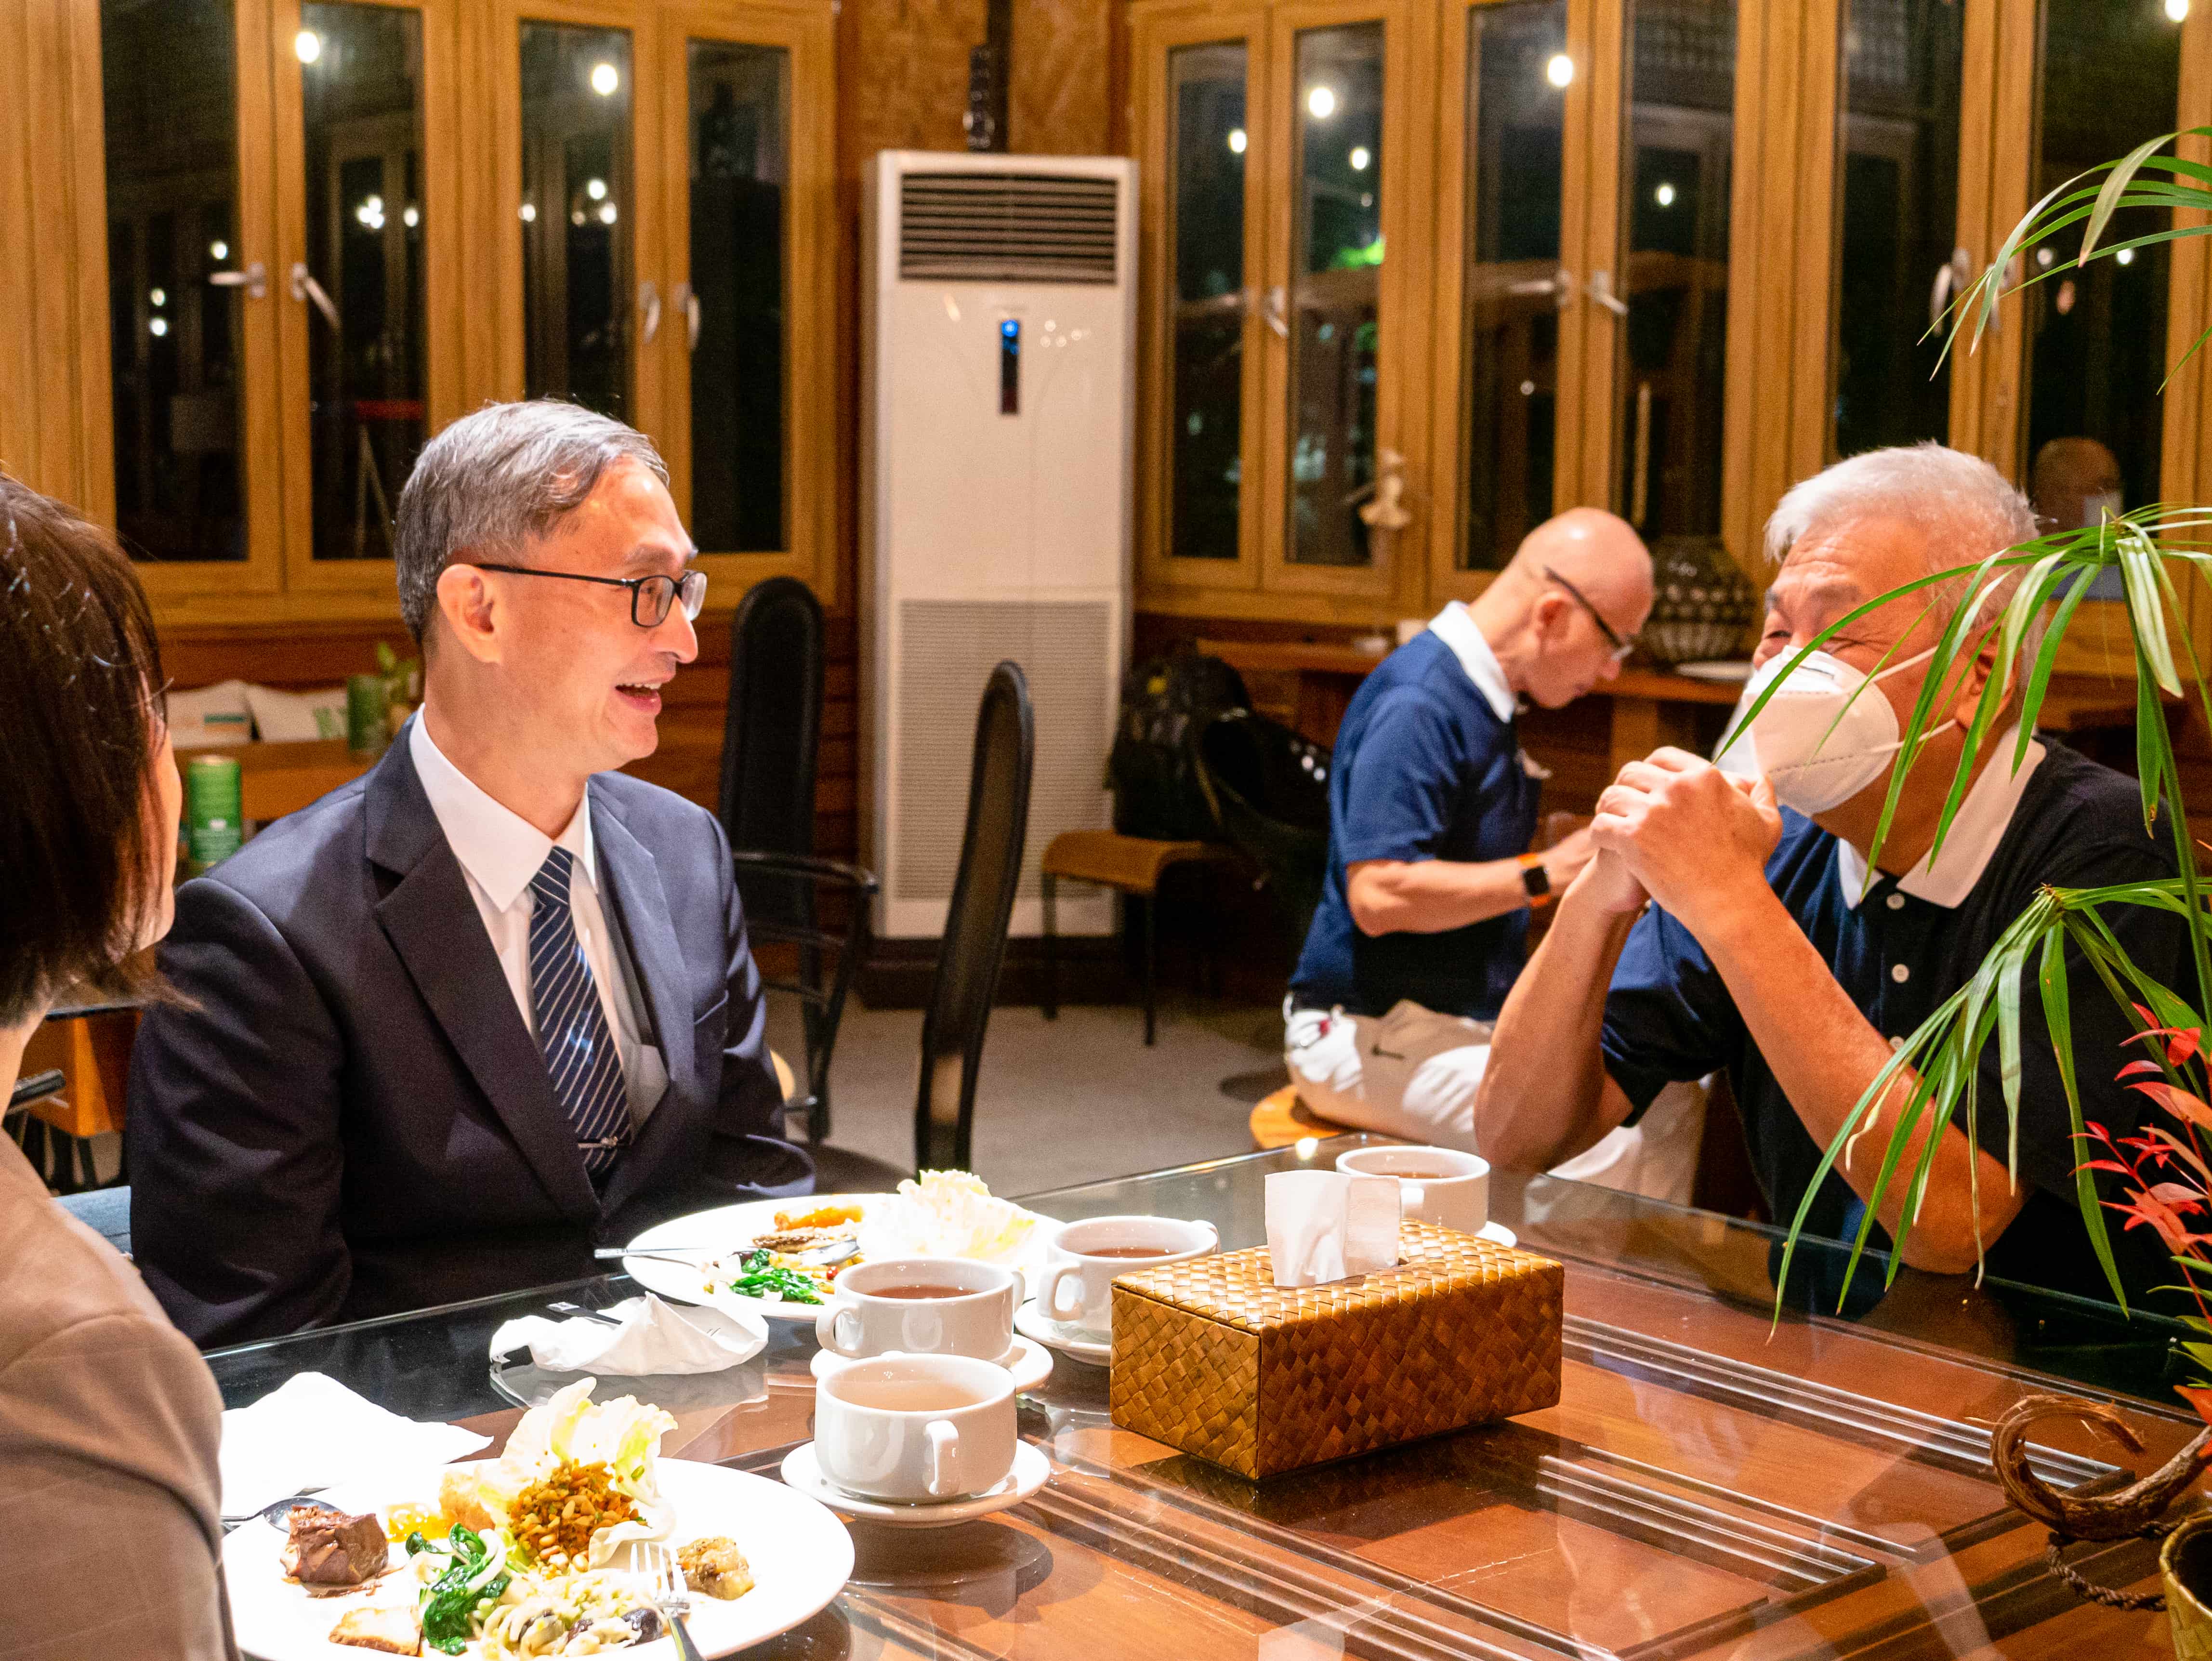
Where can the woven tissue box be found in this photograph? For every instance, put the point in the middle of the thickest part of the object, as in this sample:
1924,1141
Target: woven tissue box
1212,1357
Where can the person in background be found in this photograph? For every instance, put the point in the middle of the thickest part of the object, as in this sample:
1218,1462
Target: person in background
1432,807
491,1005
109,1420
2075,482
1770,948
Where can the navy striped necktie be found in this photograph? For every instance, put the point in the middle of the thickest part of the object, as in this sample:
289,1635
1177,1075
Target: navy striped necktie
580,1053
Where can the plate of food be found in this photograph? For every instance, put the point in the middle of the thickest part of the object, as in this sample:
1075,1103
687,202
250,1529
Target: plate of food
782,1258
536,1553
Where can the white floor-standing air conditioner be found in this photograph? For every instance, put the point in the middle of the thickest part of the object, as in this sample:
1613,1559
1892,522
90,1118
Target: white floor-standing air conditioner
997,355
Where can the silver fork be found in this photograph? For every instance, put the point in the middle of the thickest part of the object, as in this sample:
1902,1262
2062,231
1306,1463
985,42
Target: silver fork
670,1595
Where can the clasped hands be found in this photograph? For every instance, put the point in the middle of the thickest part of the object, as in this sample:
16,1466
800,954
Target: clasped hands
1674,828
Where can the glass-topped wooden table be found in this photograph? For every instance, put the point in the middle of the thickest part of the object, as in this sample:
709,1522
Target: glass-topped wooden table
1710,1484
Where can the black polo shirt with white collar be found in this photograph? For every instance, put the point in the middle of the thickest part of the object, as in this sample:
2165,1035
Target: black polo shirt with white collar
1901,949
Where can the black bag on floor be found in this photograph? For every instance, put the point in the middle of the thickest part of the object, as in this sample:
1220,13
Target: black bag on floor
1166,702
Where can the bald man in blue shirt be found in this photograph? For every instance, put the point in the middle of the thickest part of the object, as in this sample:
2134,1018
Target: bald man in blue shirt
1432,804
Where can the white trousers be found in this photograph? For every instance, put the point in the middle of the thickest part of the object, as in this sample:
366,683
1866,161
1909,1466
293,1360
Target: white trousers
1415,1074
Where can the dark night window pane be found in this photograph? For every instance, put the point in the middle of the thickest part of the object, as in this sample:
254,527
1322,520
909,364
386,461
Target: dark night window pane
577,205
1517,76
1681,129
1205,454
176,358
1336,285
740,158
2097,357
361,98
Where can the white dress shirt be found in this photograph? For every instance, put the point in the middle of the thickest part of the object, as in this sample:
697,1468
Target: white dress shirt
1455,626
500,852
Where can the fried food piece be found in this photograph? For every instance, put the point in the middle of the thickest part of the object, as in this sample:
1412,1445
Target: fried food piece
715,1566
394,1630
328,1548
461,1499
827,1216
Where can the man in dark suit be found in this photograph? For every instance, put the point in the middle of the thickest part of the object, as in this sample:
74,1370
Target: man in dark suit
450,1027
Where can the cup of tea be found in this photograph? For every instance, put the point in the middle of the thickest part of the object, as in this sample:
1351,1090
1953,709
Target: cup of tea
915,1428
1084,1256
922,1306
1439,1185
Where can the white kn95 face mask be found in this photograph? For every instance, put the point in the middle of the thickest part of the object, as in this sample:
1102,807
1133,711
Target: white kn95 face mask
1818,745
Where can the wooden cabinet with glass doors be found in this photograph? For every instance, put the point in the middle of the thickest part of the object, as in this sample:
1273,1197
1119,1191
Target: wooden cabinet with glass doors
1675,255
332,226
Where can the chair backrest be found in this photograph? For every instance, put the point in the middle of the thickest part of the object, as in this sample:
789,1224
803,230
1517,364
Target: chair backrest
974,943
1269,788
772,732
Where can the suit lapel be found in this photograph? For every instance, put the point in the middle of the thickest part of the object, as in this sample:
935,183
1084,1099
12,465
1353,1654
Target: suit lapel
631,881
431,919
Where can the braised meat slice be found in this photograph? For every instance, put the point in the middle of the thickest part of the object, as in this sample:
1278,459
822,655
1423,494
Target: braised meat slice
330,1548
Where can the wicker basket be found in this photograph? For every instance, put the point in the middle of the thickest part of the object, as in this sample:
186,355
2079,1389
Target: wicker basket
1210,1356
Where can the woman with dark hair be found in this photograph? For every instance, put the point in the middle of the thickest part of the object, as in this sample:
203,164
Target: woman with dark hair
109,1420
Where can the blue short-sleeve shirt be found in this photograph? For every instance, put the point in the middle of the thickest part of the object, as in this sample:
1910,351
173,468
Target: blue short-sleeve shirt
1425,769
1899,954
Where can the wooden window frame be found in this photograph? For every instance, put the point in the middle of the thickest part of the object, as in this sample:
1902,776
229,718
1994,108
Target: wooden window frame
1447,579
197,588
1154,35
444,303
807,32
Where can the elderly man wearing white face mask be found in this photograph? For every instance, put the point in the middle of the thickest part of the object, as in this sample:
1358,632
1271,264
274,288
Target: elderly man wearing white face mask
1768,946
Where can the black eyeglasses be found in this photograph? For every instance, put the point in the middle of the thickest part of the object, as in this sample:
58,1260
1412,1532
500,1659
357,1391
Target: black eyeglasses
650,597
1621,648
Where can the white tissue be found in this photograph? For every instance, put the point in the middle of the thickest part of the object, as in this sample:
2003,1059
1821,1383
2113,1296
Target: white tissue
654,1337
312,1433
1325,1225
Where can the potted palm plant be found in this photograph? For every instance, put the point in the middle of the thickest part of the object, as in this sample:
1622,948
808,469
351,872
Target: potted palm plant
2029,595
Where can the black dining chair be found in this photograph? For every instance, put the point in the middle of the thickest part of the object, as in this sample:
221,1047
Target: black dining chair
1268,789
784,895
772,725
771,745
974,943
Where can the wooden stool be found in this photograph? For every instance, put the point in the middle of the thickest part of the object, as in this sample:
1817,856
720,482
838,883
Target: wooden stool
1131,866
1281,1119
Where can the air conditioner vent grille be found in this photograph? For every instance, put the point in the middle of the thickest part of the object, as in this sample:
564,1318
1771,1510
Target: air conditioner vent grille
991,228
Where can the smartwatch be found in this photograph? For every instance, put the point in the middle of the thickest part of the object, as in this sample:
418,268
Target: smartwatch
1536,880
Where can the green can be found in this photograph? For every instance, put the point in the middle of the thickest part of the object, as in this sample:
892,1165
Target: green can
366,732
215,824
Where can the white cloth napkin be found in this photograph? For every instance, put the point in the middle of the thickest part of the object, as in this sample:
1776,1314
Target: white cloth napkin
654,1337
312,1433
1325,1225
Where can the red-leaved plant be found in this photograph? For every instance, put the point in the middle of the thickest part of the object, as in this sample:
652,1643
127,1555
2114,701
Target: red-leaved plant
2166,1178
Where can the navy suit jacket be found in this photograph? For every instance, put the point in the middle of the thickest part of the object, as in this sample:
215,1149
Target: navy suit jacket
345,1116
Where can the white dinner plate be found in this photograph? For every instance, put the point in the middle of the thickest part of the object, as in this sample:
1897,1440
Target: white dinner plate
1720,669
800,1554
731,1228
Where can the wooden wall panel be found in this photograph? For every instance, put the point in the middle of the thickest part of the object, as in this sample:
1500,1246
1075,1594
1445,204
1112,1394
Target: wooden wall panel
54,355
1060,103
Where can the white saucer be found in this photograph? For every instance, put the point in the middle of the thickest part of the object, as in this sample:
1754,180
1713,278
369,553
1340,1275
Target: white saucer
1030,1363
1031,1471
1498,1233
1032,1323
